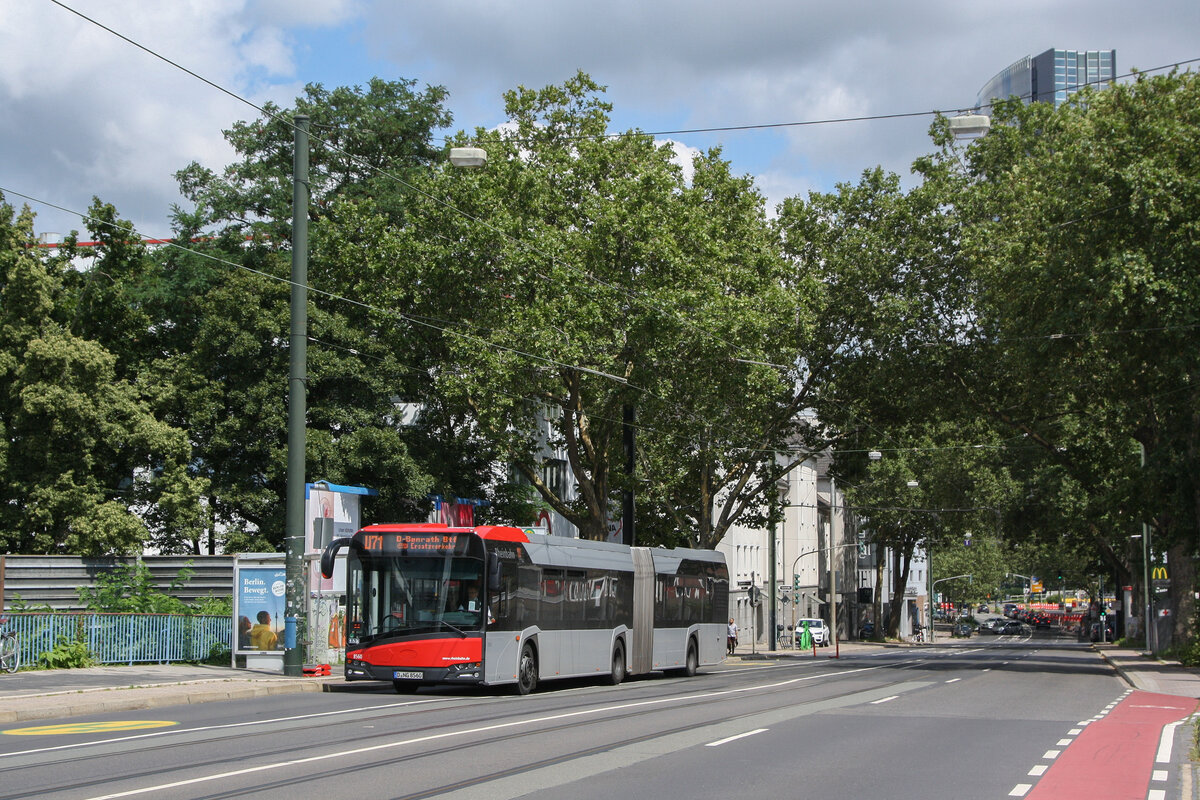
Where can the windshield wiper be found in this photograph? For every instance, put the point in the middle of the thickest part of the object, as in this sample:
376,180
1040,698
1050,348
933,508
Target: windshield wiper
460,631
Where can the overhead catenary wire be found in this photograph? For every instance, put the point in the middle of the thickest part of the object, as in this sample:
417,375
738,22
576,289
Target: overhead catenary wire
633,294
521,244
413,319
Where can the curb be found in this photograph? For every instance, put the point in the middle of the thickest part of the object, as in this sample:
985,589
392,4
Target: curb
103,701
1121,673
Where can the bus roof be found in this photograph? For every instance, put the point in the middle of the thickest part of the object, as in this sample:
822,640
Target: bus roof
559,550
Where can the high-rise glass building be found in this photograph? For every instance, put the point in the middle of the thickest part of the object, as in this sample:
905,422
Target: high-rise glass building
1051,77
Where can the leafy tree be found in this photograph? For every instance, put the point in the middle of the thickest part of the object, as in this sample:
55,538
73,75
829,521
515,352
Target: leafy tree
365,144
580,275
82,450
221,311
1078,225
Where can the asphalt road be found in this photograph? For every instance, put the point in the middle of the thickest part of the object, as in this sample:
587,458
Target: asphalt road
967,719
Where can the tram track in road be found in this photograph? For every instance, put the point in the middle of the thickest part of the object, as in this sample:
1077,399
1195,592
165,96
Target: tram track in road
561,719
410,709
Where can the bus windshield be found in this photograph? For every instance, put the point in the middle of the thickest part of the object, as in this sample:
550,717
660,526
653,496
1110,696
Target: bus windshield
400,595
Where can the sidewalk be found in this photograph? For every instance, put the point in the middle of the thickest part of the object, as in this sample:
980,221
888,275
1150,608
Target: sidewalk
54,694
745,652
1151,674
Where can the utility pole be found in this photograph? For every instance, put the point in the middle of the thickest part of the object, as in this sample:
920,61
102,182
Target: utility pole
297,403
833,554
772,502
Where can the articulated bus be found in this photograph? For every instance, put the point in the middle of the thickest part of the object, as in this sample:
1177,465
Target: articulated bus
431,604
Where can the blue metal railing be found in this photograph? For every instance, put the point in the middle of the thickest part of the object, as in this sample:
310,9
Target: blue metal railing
120,638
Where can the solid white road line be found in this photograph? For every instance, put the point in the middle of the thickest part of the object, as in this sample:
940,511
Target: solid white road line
727,739
1166,742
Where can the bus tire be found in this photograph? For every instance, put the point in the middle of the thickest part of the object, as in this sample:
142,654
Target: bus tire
693,660
527,671
617,671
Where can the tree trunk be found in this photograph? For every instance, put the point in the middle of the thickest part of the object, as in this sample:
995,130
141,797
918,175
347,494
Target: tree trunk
880,557
1182,573
902,563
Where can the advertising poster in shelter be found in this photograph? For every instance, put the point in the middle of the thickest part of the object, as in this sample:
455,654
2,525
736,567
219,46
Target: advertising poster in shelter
260,597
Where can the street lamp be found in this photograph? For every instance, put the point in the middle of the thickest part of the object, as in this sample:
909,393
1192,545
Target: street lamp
468,156
297,396
1146,621
1146,551
966,126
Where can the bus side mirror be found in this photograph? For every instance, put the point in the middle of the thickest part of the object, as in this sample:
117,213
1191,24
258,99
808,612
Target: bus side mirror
330,554
493,573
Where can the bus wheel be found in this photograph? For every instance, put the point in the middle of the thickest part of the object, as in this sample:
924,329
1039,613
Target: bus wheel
405,687
617,674
527,671
693,660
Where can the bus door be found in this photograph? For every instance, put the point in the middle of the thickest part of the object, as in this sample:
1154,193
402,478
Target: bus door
642,658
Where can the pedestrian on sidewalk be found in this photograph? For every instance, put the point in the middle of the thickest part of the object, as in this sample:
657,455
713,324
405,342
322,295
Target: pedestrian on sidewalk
731,638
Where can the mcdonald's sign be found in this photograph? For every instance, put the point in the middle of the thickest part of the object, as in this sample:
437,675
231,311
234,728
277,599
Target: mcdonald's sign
1158,578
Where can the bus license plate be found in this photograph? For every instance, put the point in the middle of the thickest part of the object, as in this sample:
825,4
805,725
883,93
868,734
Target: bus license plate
412,676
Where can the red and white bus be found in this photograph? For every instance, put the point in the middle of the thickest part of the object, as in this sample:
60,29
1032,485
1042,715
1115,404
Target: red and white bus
492,605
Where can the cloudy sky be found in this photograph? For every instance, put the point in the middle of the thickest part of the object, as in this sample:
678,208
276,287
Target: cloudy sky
89,114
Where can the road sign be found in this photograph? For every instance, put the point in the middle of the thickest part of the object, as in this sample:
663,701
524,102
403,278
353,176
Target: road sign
1036,586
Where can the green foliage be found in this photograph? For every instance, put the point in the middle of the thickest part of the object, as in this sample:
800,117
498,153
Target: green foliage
81,446
18,604
588,278
130,588
213,607
218,655
68,653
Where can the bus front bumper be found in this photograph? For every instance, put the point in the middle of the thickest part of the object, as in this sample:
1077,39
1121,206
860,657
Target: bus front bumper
456,673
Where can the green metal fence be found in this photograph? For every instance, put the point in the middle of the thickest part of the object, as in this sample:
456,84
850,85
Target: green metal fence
121,638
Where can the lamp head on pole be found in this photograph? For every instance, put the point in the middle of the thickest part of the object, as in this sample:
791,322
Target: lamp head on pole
967,126
468,156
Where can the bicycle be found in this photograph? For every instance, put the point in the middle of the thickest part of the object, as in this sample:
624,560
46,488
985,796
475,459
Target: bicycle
10,652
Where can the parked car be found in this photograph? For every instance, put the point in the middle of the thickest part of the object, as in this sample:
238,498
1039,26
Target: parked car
962,630
867,631
817,628
1011,626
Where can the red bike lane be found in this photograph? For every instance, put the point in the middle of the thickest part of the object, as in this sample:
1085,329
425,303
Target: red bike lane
1114,756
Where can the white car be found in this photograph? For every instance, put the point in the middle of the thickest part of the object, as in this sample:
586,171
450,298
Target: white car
817,628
